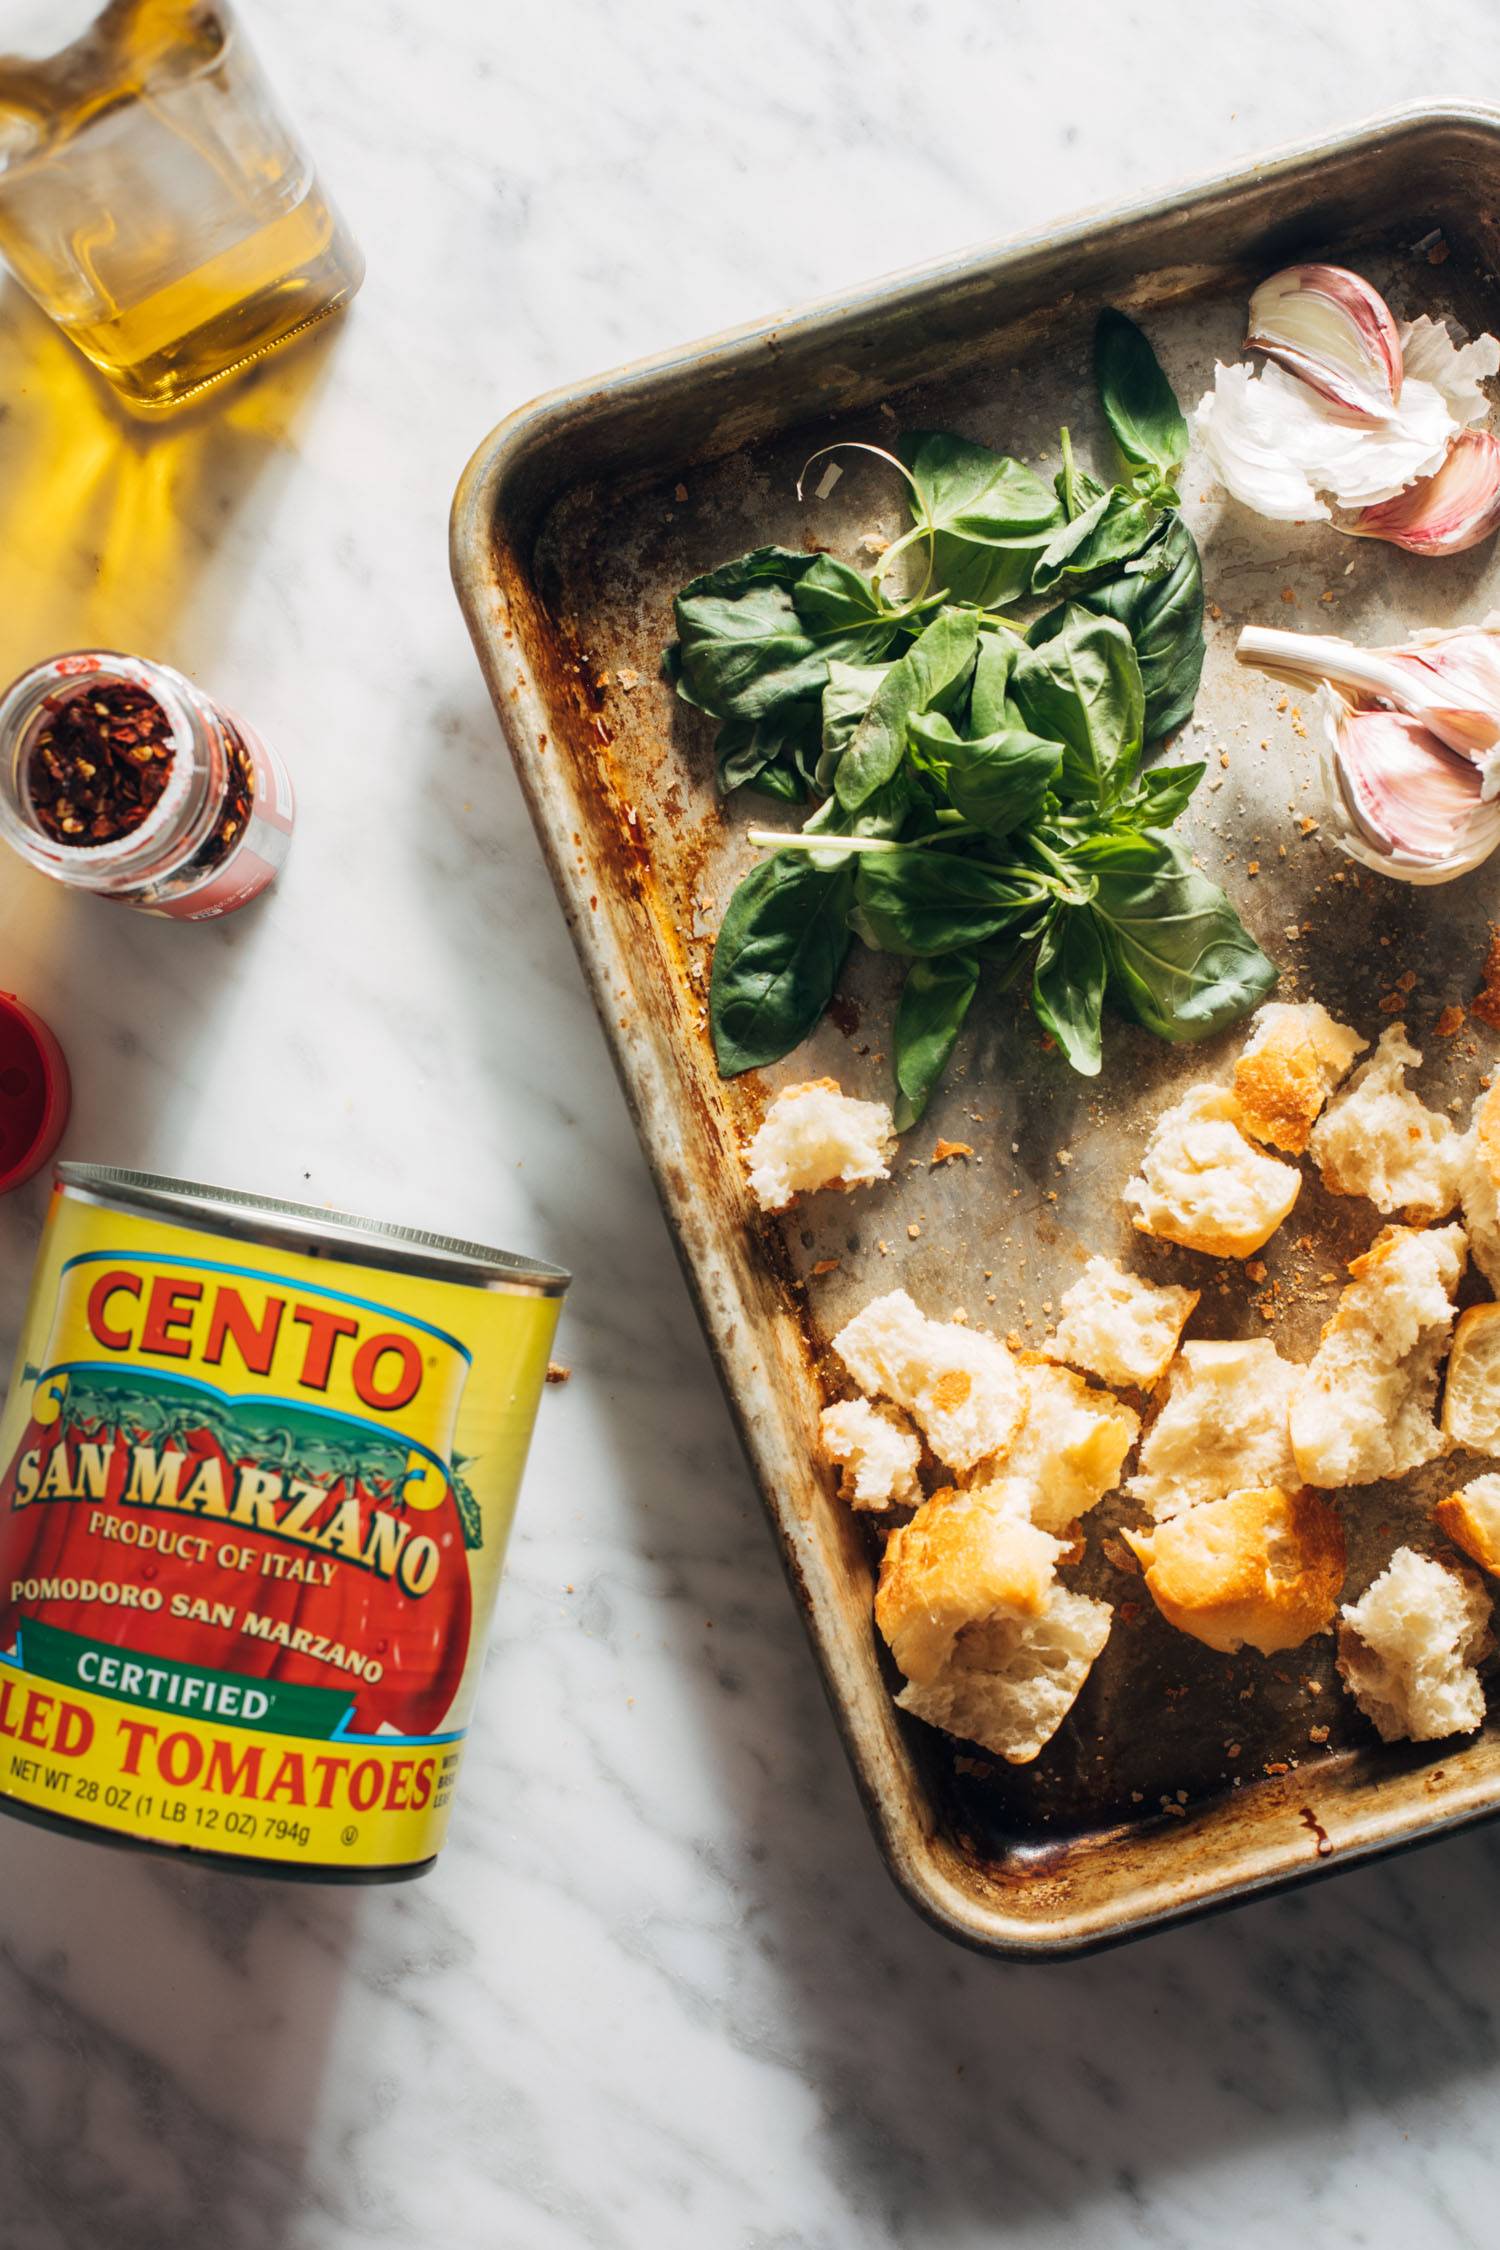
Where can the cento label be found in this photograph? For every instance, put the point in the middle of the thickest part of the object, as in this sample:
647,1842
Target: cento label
252,1516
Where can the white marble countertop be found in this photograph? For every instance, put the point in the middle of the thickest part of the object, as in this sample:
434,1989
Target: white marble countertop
659,1990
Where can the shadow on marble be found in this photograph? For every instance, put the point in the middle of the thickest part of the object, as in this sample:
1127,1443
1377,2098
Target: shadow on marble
118,529
163,2041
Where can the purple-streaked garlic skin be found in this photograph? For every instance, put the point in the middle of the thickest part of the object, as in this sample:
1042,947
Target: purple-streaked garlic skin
1402,798
1329,328
1456,508
1417,804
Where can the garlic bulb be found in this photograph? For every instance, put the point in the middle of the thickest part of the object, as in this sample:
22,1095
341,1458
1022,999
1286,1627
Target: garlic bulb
1415,805
1456,508
1329,327
1354,410
1411,742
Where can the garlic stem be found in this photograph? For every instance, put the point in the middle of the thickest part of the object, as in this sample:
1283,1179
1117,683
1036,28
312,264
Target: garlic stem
1307,658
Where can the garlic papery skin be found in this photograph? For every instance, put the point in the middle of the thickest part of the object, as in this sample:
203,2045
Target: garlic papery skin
1456,508
1331,329
1448,681
1398,801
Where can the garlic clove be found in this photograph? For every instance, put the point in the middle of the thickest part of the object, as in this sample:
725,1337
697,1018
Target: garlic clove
1447,513
1331,329
1415,803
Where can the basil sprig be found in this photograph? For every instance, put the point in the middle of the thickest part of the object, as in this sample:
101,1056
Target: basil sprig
980,803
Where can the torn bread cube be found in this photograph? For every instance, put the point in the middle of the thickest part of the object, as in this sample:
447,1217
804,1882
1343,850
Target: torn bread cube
1011,1682
1263,1567
877,1452
1296,1055
1379,1139
1471,1395
961,1387
1222,1427
1119,1327
1201,1183
1071,1448
1364,1408
1479,1184
959,1562
816,1136
1408,1648
1471,1518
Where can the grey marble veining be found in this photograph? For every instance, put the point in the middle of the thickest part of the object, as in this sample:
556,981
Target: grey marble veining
659,1991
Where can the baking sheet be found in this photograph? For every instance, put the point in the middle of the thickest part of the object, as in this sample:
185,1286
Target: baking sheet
1183,1778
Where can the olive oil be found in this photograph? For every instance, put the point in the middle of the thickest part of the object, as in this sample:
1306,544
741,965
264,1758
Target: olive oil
156,204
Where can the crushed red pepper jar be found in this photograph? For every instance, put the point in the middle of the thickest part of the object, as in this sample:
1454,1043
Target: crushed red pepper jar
119,776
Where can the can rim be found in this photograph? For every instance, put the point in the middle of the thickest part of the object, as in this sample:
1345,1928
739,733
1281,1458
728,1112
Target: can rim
313,1231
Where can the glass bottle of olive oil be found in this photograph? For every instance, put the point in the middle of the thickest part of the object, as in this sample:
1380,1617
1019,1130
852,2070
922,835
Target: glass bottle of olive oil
153,199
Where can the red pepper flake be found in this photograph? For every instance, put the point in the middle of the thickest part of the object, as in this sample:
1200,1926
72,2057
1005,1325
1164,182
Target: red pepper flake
98,764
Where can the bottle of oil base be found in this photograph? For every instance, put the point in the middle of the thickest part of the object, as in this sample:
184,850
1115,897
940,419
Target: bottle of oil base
153,199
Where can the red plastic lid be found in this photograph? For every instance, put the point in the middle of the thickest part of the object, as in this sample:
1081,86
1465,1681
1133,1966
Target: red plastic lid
34,1093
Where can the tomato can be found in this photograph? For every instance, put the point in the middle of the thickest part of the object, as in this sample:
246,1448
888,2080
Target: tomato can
259,1467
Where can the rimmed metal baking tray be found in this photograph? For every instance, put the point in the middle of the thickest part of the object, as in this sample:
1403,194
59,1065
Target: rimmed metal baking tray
1184,1780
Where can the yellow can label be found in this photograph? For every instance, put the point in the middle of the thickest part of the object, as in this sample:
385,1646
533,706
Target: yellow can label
253,1508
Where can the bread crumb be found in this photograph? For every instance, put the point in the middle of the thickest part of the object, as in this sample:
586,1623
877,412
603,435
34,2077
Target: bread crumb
945,1151
1215,612
1308,825
557,1373
1223,757
1288,594
826,1265
1450,1021
913,1231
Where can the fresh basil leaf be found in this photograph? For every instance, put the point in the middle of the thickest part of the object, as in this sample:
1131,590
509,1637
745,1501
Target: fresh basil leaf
1138,401
884,813
999,783
1164,617
1109,532
1082,688
1181,960
746,645
831,597
938,660
929,1016
777,958
777,754
846,699
990,707
1075,488
1163,793
991,514
928,902
1067,985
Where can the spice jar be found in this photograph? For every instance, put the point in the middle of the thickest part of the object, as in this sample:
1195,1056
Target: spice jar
119,776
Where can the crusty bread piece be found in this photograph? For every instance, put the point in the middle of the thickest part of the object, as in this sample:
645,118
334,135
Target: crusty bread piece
1479,1184
1364,1407
1264,1567
1471,1519
1012,1682
1295,1056
1071,1449
1378,1139
876,1449
1119,1327
1407,1650
816,1136
960,1385
1471,1395
1201,1183
1222,1427
960,1561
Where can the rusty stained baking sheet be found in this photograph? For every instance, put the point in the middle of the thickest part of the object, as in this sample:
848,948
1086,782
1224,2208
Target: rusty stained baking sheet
1183,1779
